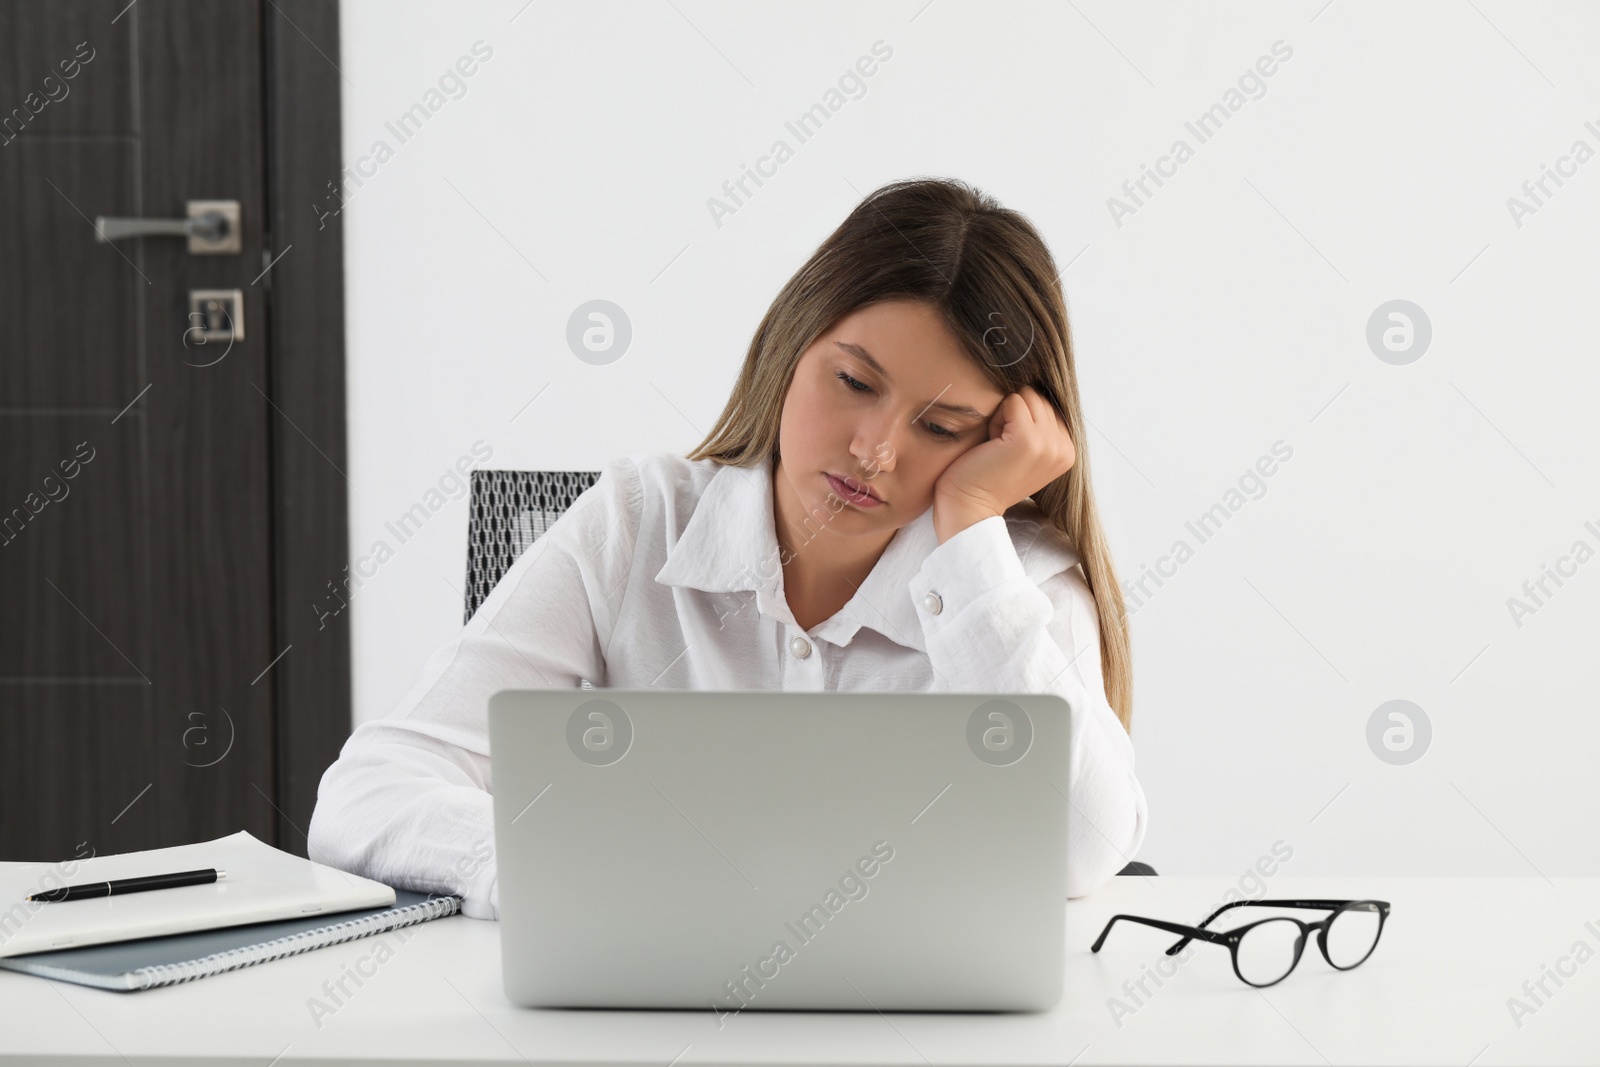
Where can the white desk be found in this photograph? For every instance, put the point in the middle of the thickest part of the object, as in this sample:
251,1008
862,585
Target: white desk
1434,992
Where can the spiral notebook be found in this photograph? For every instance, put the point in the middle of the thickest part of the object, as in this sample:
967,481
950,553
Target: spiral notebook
129,966
264,884
273,903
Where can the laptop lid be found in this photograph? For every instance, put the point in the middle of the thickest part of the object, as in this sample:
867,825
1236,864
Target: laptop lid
727,850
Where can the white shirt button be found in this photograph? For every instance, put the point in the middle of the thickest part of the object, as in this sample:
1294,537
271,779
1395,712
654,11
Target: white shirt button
933,603
800,647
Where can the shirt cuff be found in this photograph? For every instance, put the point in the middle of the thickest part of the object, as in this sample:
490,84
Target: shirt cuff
975,561
481,895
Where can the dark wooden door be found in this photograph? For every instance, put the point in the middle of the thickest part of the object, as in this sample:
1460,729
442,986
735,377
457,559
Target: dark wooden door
139,633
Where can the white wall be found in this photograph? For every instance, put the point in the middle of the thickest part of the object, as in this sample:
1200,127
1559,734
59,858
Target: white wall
1228,313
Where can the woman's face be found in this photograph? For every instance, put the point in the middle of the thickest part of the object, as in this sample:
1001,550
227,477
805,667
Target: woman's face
871,401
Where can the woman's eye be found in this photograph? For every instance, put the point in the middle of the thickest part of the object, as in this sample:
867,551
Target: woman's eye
933,428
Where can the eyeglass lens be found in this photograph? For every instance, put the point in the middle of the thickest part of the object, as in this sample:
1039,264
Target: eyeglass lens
1352,934
1266,952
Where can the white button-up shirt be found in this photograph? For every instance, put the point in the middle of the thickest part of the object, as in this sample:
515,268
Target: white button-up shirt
666,573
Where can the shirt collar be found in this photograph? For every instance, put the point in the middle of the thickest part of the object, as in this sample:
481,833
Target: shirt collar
730,544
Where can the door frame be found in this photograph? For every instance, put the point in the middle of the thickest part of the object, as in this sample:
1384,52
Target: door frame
306,372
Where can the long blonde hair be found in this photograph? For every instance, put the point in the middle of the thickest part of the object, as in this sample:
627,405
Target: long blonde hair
987,271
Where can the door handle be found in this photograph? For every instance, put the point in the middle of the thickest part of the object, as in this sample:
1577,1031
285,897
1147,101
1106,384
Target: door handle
212,227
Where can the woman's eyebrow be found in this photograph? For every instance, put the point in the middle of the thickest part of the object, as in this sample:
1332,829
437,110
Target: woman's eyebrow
864,356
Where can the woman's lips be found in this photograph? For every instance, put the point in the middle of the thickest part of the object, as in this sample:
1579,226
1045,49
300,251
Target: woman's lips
860,500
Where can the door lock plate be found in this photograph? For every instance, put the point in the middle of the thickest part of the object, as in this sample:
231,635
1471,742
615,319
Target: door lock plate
215,315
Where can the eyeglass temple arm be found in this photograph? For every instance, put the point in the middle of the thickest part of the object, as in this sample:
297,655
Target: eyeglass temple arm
1172,928
1320,905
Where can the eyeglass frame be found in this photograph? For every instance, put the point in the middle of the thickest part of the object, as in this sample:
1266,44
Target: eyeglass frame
1231,938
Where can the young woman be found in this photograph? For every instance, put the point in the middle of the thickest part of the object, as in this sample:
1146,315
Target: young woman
896,497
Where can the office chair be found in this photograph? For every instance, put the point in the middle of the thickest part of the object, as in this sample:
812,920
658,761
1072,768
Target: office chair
509,510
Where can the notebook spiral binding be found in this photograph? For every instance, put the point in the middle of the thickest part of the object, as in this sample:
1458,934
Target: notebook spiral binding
349,930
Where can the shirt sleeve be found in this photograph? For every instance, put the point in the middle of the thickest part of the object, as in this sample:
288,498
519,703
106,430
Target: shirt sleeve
408,802
997,630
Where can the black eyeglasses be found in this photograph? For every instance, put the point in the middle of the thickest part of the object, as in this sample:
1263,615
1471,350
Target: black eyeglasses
1264,952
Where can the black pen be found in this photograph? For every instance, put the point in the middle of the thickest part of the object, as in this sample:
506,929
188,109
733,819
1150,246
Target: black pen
130,885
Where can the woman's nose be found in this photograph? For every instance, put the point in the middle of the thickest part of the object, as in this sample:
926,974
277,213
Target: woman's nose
876,444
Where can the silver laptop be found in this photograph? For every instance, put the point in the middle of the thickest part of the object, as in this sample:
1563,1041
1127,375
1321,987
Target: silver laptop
754,850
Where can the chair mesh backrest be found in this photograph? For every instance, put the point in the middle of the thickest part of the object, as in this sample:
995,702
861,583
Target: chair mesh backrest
510,510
